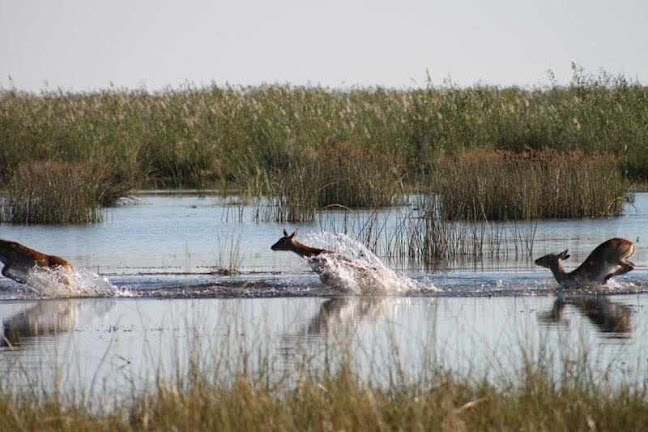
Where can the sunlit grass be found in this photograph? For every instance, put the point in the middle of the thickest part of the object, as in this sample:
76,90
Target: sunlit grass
333,400
488,185
310,147
51,192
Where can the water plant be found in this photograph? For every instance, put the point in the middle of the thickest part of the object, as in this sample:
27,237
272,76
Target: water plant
495,185
60,193
192,135
309,147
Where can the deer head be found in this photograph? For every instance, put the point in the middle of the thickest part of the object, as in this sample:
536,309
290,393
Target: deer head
285,243
551,260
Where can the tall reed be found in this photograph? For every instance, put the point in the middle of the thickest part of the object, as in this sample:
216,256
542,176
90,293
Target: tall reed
487,185
224,134
333,174
421,236
52,192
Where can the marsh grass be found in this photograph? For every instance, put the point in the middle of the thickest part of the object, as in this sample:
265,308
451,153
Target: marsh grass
495,185
51,192
420,234
335,174
229,259
330,400
196,135
310,147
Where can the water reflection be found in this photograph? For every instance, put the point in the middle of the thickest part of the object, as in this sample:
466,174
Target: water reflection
49,318
336,321
611,319
343,313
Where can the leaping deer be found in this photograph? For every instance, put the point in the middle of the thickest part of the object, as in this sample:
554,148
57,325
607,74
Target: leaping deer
609,259
321,260
20,262
289,243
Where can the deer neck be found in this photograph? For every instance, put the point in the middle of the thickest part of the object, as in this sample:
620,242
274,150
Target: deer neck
305,251
4,250
559,272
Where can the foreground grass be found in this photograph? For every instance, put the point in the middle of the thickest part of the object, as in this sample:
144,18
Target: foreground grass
341,401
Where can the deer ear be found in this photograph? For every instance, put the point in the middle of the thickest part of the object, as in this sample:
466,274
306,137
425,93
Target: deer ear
294,234
564,254
285,233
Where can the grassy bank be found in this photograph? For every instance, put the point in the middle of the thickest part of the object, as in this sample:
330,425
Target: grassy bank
312,146
341,401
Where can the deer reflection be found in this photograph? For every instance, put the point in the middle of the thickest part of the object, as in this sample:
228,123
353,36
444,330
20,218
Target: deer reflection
335,320
343,312
612,319
50,317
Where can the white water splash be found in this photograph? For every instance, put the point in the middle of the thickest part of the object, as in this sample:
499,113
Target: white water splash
83,283
354,268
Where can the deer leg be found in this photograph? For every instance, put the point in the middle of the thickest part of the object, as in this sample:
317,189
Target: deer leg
624,267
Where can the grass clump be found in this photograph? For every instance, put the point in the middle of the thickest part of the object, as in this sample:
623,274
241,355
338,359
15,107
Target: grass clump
495,185
334,174
50,192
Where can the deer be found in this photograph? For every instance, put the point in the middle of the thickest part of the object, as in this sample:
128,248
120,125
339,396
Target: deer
609,259
320,259
289,243
20,262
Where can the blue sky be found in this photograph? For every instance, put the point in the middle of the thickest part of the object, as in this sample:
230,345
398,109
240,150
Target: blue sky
81,44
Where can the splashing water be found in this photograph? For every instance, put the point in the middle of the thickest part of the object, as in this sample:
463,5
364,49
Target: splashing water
354,268
83,283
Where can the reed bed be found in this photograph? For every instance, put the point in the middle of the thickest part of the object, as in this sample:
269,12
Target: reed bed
336,174
190,135
490,185
59,192
310,147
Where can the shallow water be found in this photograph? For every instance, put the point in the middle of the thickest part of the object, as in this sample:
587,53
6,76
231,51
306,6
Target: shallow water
113,345
171,242
168,259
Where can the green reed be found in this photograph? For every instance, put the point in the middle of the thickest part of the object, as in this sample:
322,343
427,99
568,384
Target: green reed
59,193
191,135
487,185
421,235
312,146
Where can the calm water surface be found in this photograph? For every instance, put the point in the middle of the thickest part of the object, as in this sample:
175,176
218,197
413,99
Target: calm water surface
161,250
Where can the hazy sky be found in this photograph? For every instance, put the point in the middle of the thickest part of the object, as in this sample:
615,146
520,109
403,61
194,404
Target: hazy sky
85,44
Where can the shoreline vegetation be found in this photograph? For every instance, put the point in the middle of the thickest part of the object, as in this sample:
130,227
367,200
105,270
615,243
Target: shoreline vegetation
486,152
339,399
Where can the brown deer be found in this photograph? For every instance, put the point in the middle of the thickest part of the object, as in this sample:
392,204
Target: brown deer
289,243
20,262
323,262
609,259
